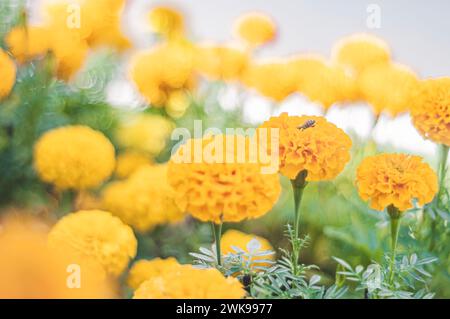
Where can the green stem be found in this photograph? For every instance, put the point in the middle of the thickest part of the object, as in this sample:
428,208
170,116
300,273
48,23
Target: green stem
395,215
298,186
217,231
444,149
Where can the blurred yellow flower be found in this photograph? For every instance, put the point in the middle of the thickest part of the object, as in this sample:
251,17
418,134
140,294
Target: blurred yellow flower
129,162
221,190
221,62
143,270
97,235
360,51
146,133
166,68
188,282
75,157
29,269
7,74
322,149
145,200
397,180
388,88
431,110
241,240
255,29
274,79
177,103
27,43
166,21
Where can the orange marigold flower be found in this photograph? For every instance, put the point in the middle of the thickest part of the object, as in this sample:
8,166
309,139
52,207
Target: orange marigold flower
255,29
395,179
388,87
221,62
322,149
143,270
431,110
7,74
166,21
187,282
359,51
216,189
27,43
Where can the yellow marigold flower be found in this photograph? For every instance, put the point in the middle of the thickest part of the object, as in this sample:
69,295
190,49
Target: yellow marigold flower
188,282
27,43
145,200
322,149
166,21
388,87
275,80
241,240
359,51
144,270
98,235
431,110
221,62
29,269
7,74
395,179
166,68
323,83
255,29
75,157
146,133
220,189
129,162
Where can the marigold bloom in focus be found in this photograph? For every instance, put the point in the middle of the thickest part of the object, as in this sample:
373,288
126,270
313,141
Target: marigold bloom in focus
129,162
241,240
166,21
145,200
388,87
274,79
360,51
220,190
75,157
7,74
97,235
322,149
221,62
395,179
188,282
143,270
431,110
146,133
255,29
166,68
27,43
30,269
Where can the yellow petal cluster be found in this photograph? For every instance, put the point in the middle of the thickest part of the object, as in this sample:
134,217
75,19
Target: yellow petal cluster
322,149
255,29
29,269
388,88
166,21
7,74
241,240
165,69
129,162
359,51
146,133
144,270
97,235
275,80
219,189
221,62
145,200
395,179
431,110
188,282
75,157
26,43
